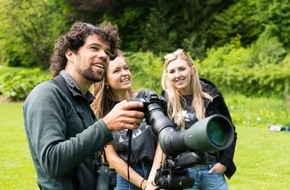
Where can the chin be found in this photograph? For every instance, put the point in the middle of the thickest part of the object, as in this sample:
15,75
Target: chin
98,79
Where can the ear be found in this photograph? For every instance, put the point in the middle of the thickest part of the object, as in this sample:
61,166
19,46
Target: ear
69,55
192,70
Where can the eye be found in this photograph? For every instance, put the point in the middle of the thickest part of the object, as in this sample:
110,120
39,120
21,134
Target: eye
182,68
94,48
116,70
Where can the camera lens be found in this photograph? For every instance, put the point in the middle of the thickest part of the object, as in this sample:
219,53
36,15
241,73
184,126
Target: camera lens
217,134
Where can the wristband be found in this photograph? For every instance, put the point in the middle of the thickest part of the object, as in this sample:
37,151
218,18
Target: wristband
141,183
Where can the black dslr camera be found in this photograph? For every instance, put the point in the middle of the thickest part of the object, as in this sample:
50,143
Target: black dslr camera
173,178
152,102
182,148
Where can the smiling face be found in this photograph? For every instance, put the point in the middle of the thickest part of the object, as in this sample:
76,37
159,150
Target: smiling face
180,73
90,61
118,76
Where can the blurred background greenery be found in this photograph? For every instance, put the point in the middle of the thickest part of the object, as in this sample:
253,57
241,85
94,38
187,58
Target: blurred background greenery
241,45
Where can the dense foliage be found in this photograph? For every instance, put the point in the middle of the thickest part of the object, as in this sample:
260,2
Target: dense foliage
241,45
248,70
226,66
29,30
16,85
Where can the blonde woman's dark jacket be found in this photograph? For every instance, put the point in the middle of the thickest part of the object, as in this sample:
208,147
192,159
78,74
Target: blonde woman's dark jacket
217,106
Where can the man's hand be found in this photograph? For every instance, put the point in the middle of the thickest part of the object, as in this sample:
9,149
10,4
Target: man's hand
124,116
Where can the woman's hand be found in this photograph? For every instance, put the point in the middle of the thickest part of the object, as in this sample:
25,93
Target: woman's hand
218,168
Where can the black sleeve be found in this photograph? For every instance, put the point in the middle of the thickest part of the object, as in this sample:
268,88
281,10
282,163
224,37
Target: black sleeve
226,156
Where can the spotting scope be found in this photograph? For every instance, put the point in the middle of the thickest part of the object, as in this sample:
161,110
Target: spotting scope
210,134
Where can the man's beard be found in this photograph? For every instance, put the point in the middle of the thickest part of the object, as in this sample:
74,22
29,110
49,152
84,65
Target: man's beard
89,74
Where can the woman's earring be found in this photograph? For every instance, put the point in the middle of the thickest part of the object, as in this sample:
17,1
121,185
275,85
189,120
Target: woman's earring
107,87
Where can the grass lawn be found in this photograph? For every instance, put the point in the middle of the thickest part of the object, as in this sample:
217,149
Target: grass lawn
17,172
262,157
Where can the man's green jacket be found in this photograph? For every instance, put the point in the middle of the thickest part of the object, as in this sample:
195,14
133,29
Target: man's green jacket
63,149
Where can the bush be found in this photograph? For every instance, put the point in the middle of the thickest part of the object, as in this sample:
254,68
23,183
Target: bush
146,69
252,71
17,85
231,67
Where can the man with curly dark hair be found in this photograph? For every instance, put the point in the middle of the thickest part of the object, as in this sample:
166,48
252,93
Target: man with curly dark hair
63,135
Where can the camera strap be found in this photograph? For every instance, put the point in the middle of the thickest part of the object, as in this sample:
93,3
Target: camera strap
129,134
59,80
104,160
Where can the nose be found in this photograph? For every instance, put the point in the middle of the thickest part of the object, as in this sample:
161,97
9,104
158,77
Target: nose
125,72
177,74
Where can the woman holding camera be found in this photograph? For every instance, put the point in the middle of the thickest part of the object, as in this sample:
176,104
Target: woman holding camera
190,99
133,163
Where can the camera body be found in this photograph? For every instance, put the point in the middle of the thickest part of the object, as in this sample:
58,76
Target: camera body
173,178
150,101
174,173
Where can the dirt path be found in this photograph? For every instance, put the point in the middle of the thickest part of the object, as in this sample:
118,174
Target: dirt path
3,99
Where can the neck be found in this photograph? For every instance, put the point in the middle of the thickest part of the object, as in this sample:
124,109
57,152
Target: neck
122,95
83,83
185,91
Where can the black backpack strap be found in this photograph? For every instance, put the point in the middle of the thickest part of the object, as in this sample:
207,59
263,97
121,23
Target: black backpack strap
59,80
61,83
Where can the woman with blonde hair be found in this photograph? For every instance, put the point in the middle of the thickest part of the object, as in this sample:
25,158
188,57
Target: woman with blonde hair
190,99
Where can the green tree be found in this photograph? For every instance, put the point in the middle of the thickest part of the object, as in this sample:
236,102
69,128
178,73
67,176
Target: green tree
157,26
129,15
276,13
172,24
29,30
240,19
249,18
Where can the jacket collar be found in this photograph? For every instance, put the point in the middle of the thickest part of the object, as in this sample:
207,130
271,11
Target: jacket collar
74,87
